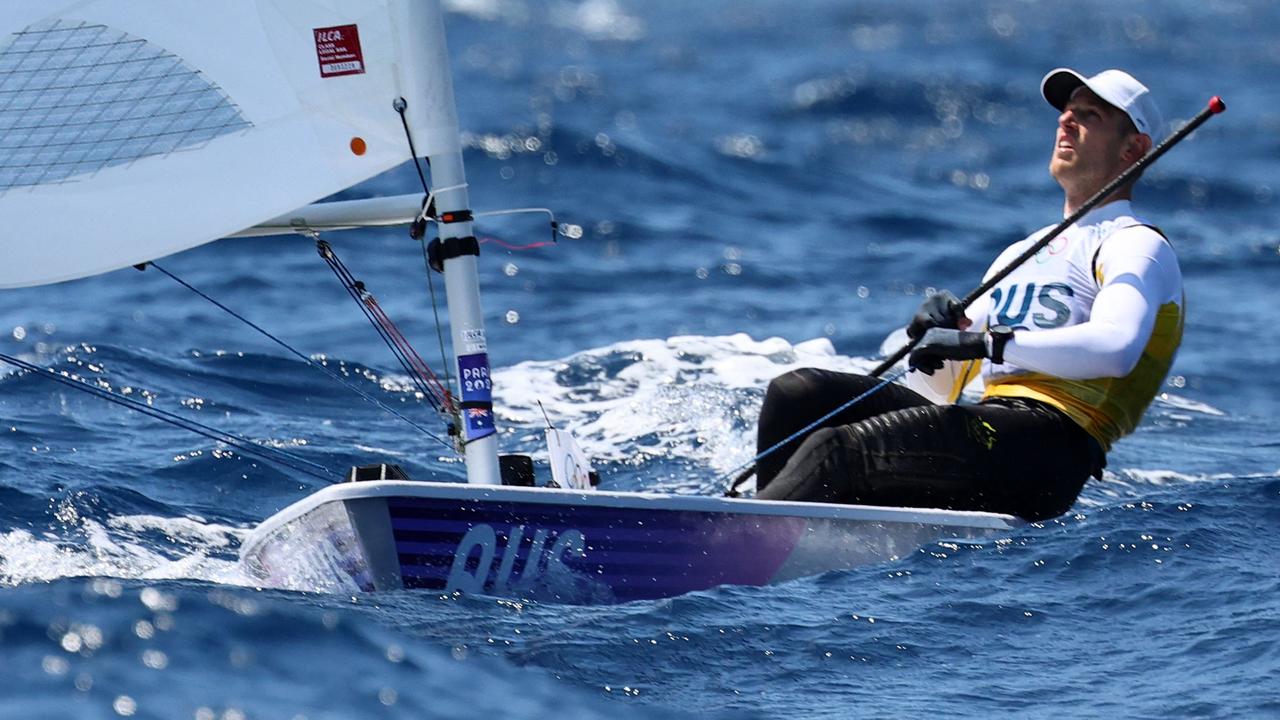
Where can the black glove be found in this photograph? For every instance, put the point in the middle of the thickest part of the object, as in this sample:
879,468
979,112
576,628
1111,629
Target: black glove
940,309
947,344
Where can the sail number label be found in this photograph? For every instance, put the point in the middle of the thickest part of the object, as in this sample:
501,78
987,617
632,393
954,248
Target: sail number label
473,340
338,50
496,560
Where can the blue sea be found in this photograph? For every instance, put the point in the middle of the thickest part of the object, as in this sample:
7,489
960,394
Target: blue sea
760,185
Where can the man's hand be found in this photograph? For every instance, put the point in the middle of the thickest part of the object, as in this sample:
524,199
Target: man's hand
939,344
942,310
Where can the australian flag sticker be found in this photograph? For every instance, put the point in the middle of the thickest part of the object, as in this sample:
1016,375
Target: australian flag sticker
479,422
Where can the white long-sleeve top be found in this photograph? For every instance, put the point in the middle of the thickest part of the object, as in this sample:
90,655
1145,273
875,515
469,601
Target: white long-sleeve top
1097,318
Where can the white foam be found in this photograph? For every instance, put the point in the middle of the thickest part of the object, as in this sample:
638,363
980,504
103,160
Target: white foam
688,397
380,450
125,548
1181,403
696,399
1164,477
1135,483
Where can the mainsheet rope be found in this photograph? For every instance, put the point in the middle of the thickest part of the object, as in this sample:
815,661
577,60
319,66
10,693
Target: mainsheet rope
733,489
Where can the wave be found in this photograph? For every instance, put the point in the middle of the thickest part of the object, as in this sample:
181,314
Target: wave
689,399
672,414
126,547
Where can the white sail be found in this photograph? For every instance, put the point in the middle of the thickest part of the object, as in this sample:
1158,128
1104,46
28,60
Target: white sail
132,130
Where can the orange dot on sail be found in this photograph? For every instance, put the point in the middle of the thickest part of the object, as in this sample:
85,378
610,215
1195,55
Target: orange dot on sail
358,145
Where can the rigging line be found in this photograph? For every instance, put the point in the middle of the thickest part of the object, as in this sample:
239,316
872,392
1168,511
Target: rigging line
245,445
435,310
424,216
418,232
303,357
400,105
509,246
428,207
733,489
387,329
414,358
555,225
356,290
517,211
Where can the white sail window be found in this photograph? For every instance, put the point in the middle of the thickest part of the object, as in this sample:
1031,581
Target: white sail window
77,97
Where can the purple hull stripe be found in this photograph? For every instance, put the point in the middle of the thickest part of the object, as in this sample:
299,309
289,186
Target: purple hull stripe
671,517
598,539
621,591
420,517
653,570
425,532
634,553
641,560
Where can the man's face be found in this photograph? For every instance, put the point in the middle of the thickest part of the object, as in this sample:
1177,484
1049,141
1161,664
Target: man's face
1092,143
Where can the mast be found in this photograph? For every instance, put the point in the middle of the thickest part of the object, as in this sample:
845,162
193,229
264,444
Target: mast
466,324
429,84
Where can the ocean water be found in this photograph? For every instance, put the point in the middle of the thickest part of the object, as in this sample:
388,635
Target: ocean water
761,185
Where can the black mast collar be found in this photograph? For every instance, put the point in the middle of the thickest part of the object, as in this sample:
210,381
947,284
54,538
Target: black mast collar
440,250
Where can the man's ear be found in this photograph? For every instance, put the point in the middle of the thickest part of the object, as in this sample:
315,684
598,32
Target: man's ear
1137,145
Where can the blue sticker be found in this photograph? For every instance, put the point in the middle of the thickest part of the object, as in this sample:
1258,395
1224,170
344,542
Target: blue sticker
473,375
477,389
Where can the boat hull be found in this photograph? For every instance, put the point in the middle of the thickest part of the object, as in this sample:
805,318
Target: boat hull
574,546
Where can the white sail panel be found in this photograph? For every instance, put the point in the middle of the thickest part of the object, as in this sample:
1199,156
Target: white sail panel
78,97
130,131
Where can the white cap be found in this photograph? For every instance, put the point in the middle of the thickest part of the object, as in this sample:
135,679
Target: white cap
1116,87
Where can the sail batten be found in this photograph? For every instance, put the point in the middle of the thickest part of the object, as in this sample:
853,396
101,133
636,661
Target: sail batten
130,131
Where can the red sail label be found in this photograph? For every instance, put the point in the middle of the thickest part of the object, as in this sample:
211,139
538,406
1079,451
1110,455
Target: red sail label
338,50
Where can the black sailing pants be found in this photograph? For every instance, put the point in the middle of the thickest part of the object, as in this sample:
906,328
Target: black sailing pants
896,448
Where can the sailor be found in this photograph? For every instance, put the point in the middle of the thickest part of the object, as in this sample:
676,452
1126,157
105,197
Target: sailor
1072,347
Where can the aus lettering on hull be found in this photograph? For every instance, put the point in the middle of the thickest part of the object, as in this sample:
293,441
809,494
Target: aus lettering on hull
488,563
